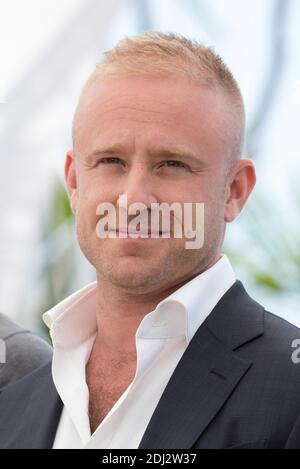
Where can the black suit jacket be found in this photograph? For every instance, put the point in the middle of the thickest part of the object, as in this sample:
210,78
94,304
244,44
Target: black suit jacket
235,386
294,438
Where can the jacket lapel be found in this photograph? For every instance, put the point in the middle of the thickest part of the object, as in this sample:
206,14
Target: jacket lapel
207,373
30,410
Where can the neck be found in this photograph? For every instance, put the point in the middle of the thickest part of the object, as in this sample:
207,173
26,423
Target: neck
120,311
119,314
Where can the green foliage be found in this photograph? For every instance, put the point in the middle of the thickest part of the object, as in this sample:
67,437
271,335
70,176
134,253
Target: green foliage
60,209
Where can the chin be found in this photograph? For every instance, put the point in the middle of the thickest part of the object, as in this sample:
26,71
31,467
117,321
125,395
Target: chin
135,283
132,275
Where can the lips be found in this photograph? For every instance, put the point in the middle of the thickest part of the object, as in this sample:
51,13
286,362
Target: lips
147,233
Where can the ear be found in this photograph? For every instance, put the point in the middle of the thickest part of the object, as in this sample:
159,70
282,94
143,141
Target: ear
241,183
71,180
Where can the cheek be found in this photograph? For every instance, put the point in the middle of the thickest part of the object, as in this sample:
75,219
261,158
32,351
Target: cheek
91,193
86,215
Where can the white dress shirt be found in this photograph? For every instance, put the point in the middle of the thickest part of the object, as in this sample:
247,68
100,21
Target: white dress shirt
161,339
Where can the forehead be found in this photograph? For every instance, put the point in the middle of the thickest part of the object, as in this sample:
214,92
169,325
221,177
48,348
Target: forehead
150,107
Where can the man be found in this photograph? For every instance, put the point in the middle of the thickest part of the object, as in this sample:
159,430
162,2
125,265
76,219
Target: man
21,351
166,349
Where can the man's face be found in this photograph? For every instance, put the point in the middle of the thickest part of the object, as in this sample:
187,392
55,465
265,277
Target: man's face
129,133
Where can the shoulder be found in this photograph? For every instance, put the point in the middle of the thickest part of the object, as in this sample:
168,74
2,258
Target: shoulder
280,335
264,339
22,351
8,327
280,344
279,326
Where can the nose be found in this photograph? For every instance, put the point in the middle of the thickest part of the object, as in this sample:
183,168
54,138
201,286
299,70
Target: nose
138,186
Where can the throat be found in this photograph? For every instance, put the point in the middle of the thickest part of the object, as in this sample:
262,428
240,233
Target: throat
107,379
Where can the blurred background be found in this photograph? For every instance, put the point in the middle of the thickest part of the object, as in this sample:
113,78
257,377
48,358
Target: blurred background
47,51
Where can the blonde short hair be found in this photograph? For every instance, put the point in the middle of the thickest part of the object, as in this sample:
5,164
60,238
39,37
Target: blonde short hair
170,54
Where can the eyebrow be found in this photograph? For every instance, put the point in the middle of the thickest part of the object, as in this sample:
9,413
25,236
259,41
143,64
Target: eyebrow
102,151
155,153
176,153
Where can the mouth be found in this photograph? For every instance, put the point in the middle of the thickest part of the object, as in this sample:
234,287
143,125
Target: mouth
136,235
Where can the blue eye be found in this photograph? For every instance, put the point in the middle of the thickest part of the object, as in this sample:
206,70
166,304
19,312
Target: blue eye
174,164
111,160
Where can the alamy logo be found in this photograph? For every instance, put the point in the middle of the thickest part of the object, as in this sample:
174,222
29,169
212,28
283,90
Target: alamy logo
179,225
2,351
296,353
